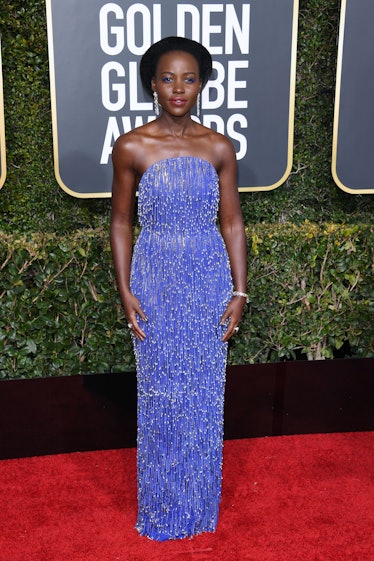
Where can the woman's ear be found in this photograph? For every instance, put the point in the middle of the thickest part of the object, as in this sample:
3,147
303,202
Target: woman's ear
153,84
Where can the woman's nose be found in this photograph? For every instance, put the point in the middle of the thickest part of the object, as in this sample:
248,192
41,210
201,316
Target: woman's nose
178,86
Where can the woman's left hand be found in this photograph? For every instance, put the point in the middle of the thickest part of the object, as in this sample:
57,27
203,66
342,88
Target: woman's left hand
233,313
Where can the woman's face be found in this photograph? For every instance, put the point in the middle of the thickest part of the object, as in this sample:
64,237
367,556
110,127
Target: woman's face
177,82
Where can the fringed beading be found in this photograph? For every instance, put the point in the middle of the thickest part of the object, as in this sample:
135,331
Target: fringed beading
156,104
181,276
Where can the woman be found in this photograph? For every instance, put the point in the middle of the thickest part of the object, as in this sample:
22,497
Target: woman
177,289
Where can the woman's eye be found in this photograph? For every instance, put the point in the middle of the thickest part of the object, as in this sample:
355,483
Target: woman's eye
167,79
190,80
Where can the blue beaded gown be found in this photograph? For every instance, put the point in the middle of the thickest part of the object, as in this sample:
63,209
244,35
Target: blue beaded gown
181,275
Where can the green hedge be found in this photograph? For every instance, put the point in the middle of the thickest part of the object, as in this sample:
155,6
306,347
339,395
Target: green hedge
310,283
310,288
60,310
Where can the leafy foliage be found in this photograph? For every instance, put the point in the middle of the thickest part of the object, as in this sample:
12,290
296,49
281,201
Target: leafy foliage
310,282
310,289
61,314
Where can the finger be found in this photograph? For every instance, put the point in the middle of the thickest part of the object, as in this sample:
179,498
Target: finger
136,329
225,317
138,333
232,329
142,314
227,335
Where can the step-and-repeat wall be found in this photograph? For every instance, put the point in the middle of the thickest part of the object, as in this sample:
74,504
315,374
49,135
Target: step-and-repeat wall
94,52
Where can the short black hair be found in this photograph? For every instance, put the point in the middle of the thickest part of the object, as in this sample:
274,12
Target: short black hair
149,61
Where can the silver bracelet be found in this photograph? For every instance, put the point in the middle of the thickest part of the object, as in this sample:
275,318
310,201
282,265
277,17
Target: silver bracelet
242,294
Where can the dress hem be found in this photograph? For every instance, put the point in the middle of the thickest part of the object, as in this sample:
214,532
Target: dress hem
164,537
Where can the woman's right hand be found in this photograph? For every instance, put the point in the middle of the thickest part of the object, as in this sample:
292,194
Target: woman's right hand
133,310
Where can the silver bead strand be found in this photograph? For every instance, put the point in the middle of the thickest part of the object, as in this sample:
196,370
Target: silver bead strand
156,104
242,294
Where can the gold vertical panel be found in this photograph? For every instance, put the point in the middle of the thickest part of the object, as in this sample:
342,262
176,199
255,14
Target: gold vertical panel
338,88
2,128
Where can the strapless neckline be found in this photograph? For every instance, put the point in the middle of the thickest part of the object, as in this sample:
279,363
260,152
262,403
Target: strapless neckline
176,158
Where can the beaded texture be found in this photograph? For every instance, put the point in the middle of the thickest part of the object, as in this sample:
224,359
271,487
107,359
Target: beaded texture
242,294
181,275
156,104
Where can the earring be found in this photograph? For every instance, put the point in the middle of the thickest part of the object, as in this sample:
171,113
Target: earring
156,104
198,103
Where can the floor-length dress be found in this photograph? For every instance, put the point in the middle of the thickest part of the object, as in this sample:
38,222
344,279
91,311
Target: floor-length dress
181,275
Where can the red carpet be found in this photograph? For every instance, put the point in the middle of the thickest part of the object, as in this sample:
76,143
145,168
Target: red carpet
291,498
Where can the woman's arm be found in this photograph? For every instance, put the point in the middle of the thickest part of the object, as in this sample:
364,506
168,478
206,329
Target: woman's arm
233,233
121,229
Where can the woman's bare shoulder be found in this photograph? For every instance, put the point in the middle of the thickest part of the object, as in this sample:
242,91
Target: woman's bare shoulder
131,145
221,141
220,147
134,138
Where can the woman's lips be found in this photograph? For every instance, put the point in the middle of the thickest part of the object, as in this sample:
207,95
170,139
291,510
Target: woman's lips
178,101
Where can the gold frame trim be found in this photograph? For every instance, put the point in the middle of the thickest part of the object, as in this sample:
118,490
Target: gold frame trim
339,67
291,115
2,127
